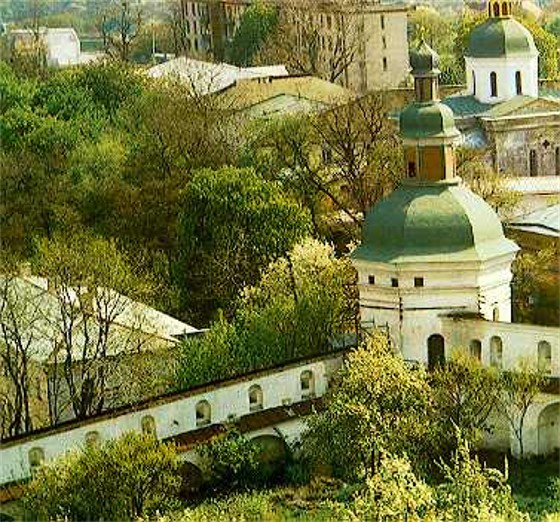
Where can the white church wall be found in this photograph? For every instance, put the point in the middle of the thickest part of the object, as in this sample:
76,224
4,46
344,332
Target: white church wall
175,415
505,68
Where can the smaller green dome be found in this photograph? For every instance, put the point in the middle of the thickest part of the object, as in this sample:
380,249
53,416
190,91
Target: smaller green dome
499,37
439,222
427,120
424,60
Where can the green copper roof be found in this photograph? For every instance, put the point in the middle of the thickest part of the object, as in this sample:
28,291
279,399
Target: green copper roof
427,120
466,106
424,60
500,37
432,223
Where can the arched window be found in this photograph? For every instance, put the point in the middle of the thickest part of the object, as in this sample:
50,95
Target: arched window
148,424
533,163
474,83
92,438
307,384
203,413
504,9
557,160
545,357
518,83
255,398
496,352
493,84
496,9
475,349
436,351
36,456
496,313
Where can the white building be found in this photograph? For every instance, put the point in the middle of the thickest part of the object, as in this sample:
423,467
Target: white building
434,265
61,45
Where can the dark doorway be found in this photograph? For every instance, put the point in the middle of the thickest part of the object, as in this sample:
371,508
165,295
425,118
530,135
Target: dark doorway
436,351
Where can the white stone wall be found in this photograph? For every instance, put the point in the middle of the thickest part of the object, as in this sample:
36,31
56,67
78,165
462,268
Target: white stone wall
479,70
413,314
173,416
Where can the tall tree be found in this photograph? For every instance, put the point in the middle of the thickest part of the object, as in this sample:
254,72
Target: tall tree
120,24
93,321
377,405
232,225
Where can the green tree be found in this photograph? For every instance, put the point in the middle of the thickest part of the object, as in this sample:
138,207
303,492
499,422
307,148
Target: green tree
256,25
472,493
232,225
229,460
519,389
464,392
377,405
303,305
93,285
121,479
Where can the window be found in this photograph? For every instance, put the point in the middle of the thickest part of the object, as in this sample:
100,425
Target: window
518,83
474,83
382,21
496,352
92,438
255,398
307,384
545,357
384,42
203,413
371,279
496,9
533,163
496,314
384,63
493,85
411,169
148,424
394,282
475,349
35,457
418,282
504,9
557,155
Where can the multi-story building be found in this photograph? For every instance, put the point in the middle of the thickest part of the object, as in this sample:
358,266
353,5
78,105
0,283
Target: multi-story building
378,33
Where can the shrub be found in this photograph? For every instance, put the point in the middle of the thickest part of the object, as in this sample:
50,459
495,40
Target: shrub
119,480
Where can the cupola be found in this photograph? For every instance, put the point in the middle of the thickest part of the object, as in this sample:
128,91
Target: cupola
427,126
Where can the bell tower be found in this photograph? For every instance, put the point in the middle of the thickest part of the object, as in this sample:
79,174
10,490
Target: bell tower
428,126
500,8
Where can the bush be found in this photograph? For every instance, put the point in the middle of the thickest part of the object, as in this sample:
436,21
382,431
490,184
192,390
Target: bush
119,480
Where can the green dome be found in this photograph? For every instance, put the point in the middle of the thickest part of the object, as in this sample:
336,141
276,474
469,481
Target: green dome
427,120
500,37
439,222
424,60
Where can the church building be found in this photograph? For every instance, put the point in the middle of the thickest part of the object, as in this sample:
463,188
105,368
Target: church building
503,108
434,266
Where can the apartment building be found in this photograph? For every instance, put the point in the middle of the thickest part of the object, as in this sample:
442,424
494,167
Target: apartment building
378,33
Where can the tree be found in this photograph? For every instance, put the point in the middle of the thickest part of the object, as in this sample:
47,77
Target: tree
377,405
229,460
307,46
474,493
232,225
256,24
121,479
120,24
519,389
535,288
465,392
93,286
21,353
486,182
305,304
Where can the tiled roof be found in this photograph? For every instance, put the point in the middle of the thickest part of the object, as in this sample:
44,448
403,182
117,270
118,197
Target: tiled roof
466,106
